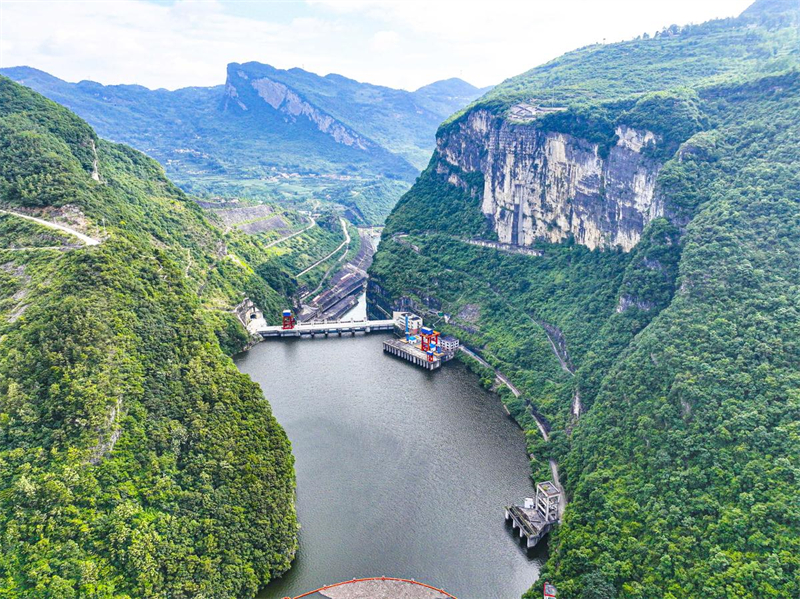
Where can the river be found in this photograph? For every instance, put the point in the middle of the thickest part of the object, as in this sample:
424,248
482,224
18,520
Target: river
400,471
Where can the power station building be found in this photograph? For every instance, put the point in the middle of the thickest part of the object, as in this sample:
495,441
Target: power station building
419,344
414,322
448,343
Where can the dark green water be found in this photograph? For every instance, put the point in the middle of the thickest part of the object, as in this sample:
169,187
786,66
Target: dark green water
400,471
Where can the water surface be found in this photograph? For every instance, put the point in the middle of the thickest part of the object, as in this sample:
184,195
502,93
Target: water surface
400,471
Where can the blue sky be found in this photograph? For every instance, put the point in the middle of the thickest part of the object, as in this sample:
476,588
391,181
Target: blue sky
399,43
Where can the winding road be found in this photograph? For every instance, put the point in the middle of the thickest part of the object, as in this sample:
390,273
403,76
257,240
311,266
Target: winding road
346,242
295,234
51,225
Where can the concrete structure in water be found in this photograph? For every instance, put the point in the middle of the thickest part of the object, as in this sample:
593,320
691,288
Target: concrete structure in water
325,328
401,349
424,348
537,515
418,344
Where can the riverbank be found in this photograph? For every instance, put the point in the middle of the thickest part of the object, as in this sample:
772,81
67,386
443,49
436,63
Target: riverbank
541,424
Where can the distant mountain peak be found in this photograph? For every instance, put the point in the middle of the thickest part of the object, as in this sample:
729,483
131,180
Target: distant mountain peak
768,11
452,82
252,86
23,72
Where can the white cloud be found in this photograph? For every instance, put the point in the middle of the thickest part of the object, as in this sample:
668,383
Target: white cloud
383,41
187,43
401,43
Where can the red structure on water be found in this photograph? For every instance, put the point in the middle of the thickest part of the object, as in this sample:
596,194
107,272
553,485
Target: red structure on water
288,320
429,341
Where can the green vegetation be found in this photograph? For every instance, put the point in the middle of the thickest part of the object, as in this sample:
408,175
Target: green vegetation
683,468
135,460
367,203
692,443
762,40
212,146
22,233
281,263
448,209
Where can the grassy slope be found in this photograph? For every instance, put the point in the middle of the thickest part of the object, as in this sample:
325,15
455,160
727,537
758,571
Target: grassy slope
109,346
712,52
683,473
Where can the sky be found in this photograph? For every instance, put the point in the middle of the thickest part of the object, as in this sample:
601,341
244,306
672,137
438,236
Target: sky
398,43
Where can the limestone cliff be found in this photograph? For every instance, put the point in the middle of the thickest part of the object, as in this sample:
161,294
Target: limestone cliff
547,185
291,105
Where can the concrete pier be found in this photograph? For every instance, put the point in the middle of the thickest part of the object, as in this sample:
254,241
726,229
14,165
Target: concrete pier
537,516
416,356
531,527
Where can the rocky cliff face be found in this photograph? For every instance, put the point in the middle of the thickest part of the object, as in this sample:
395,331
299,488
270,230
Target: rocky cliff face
286,101
548,185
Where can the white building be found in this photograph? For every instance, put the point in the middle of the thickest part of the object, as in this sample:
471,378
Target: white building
414,322
448,343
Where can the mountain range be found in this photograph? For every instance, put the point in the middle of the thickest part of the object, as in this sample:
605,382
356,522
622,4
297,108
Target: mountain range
615,233
270,133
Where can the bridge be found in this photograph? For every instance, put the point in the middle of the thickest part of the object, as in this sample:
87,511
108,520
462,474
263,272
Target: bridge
326,328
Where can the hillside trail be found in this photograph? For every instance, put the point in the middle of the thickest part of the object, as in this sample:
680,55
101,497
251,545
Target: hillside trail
346,242
295,234
51,225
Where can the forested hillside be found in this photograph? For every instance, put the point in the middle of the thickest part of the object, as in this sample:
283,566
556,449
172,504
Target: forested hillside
283,135
666,370
135,460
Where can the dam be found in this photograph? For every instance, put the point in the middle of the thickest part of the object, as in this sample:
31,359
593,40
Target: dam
415,343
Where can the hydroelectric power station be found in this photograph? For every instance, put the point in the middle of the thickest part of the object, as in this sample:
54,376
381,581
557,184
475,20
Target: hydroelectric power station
422,346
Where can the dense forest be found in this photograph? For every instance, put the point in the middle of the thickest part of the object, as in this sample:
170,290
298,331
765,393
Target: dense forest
668,374
135,460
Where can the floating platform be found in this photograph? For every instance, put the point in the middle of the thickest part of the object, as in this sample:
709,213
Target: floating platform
378,588
411,353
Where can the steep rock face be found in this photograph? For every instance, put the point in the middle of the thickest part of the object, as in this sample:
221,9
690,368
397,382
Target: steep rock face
549,185
286,101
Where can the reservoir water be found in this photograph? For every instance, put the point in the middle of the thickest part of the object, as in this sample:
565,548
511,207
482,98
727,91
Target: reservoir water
400,471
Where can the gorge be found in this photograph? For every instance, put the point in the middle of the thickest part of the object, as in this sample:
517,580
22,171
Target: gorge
611,235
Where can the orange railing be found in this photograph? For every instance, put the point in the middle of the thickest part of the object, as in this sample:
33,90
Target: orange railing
338,584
